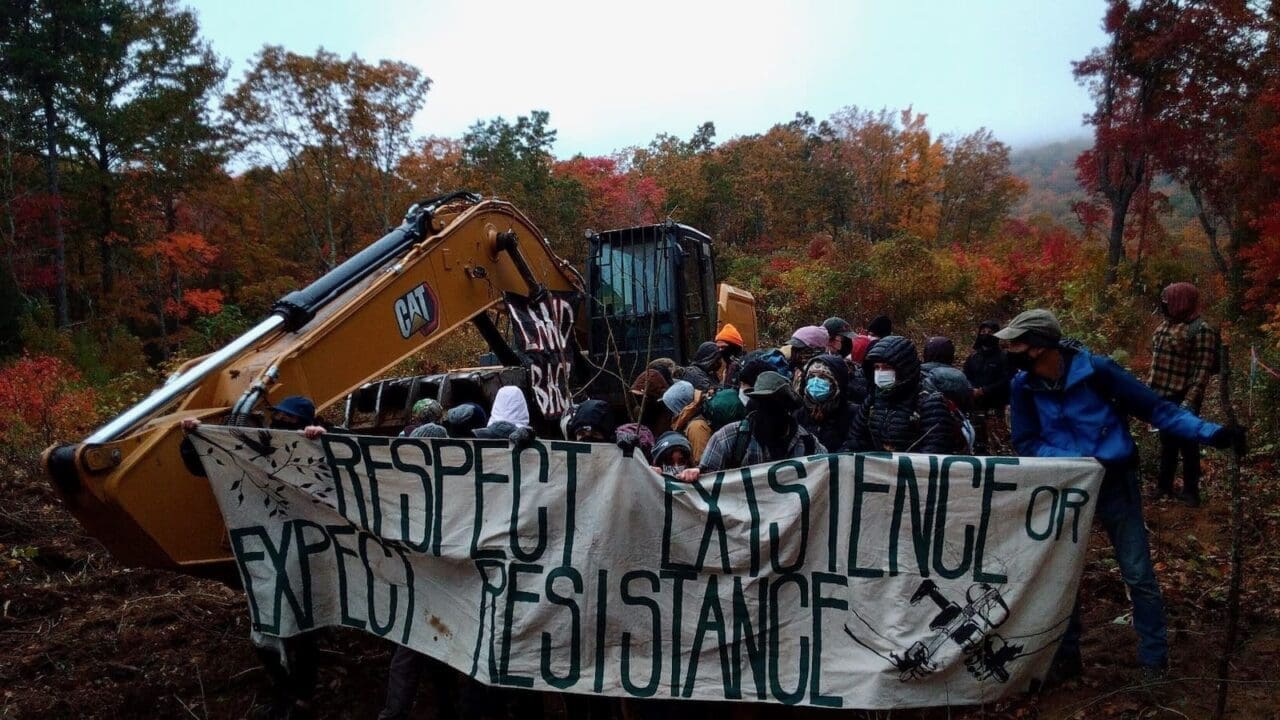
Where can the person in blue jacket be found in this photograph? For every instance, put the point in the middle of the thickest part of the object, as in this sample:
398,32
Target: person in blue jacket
1068,402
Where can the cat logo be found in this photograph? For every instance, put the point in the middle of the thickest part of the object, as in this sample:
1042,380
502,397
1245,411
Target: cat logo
416,312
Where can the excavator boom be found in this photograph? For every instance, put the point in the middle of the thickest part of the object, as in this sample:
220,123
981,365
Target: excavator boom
449,263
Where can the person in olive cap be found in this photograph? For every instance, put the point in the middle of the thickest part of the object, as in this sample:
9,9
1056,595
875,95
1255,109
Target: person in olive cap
769,432
1067,402
840,334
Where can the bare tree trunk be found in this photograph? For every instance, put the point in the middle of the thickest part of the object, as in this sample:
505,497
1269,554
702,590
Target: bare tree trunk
1237,544
55,211
1115,240
105,218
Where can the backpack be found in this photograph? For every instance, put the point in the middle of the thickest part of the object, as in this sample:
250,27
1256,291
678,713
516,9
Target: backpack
774,357
743,439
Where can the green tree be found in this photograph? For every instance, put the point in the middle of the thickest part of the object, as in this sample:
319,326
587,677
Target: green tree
43,46
141,102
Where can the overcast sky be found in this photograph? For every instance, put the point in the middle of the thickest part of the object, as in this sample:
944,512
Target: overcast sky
614,75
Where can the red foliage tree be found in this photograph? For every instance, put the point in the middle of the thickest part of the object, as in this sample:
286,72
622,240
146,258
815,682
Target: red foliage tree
41,401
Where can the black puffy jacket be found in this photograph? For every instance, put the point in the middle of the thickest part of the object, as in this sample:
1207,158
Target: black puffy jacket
831,423
905,418
989,370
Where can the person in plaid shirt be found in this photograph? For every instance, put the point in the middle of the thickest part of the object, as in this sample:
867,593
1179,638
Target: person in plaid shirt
770,432
1184,354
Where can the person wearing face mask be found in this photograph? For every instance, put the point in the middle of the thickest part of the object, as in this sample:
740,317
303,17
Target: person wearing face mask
1184,356
769,432
729,340
824,411
673,455
685,403
703,372
806,343
1067,402
843,342
901,414
989,372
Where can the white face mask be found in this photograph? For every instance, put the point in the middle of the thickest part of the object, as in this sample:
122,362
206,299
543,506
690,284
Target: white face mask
885,378
742,395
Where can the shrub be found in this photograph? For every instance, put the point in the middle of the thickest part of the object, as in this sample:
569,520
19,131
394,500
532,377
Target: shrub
42,400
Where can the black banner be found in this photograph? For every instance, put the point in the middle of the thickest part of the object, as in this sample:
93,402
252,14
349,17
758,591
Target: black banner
544,340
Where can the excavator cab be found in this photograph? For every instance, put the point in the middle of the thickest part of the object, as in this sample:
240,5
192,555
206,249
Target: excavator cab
651,294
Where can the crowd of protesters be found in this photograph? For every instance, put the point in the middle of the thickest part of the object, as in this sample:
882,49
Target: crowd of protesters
1023,389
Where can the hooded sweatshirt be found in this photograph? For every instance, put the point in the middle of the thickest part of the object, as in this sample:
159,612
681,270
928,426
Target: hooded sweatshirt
509,406
832,420
685,404
903,418
462,421
594,414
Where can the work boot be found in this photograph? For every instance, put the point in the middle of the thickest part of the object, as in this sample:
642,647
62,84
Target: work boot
1190,499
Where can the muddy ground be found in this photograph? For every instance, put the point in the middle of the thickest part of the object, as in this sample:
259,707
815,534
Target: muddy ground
83,637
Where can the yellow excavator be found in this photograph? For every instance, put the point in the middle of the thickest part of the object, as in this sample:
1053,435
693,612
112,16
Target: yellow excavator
456,259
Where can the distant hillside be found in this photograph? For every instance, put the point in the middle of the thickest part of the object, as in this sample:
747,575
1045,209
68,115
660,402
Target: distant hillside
1050,172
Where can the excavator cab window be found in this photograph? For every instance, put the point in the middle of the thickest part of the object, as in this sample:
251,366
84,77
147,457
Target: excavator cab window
636,308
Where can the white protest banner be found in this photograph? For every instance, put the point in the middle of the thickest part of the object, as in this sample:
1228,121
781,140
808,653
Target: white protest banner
855,581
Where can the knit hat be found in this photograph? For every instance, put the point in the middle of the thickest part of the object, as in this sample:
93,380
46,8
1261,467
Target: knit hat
595,415
428,411
881,326
668,441
642,433
1182,299
664,365
729,334
707,356
466,418
429,430
940,350
650,384
723,408
678,396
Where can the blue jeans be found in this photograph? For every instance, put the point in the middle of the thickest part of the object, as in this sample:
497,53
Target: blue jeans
1120,512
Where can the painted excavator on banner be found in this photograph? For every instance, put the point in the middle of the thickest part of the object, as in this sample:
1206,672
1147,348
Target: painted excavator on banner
457,260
